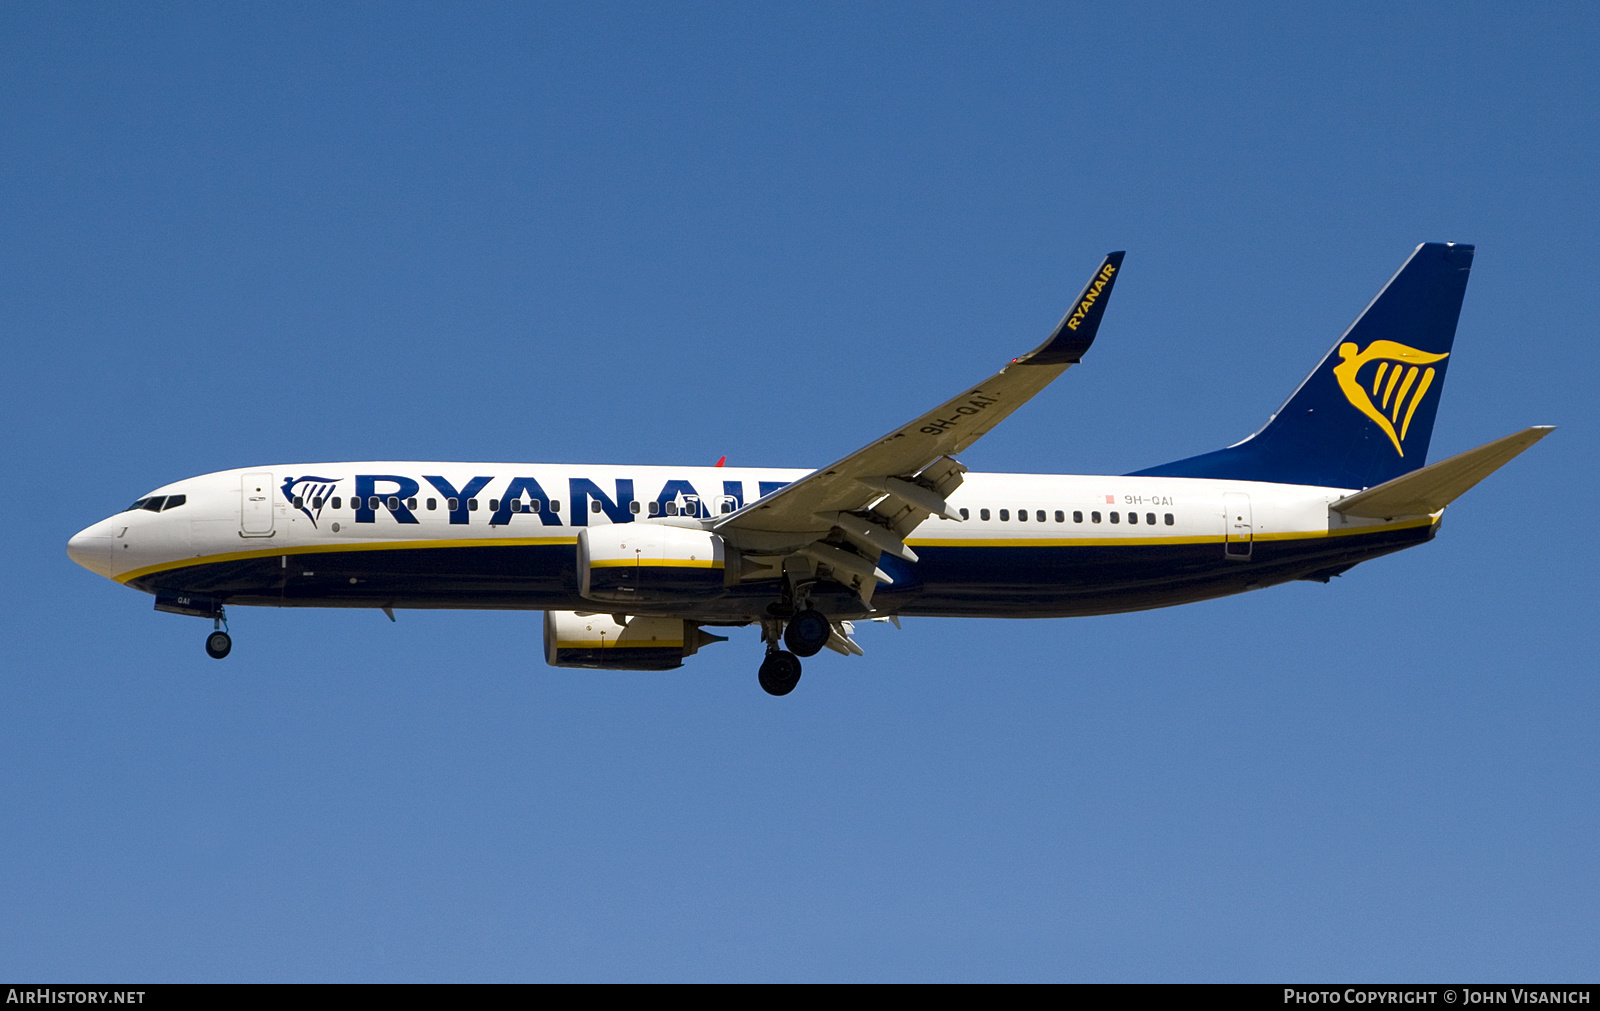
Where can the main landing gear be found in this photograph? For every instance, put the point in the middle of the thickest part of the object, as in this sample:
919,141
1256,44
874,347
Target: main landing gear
219,643
805,633
780,672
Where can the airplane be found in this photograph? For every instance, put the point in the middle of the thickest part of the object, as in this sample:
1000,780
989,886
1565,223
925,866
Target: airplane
632,565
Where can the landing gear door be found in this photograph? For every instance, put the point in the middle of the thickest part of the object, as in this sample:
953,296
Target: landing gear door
1238,530
255,505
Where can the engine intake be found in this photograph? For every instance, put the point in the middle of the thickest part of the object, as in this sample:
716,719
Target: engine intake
649,561
600,642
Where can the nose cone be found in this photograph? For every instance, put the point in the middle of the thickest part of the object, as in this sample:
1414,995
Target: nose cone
91,548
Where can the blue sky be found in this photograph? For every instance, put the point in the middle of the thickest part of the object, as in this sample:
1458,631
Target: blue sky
247,234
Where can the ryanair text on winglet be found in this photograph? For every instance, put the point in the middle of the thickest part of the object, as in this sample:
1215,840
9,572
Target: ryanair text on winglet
1100,281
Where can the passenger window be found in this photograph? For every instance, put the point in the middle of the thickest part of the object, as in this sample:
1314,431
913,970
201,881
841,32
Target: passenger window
1077,516
1022,515
535,506
1040,516
372,502
594,506
299,502
153,503
335,503
555,505
966,515
452,504
1094,517
472,505
393,503
316,501
1114,518
516,505
411,503
1150,518
655,509
983,514
727,507
1005,514
1169,519
433,504
1133,517
634,507
494,505
1061,517
672,508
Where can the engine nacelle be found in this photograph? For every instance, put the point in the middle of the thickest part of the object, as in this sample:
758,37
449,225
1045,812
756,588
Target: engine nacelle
626,562
599,642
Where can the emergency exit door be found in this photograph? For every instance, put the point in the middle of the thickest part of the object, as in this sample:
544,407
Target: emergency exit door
1238,531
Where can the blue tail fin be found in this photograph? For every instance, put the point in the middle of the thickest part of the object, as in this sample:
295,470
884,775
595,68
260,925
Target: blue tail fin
1365,414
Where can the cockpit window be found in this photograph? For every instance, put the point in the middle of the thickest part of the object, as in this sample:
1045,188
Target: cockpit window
156,503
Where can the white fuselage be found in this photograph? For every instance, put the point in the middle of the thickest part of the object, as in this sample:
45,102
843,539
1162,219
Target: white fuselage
307,534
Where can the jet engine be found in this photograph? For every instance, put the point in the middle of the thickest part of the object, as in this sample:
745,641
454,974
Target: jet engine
627,562
601,642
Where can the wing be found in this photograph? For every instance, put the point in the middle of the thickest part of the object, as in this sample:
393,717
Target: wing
842,516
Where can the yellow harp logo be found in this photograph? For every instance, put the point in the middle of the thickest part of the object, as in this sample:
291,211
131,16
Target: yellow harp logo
1398,370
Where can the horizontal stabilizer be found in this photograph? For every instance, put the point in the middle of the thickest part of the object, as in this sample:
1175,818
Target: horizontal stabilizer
1437,485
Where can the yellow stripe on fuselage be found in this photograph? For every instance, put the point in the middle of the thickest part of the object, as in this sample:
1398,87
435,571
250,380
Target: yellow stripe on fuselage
1102,542
654,563
939,542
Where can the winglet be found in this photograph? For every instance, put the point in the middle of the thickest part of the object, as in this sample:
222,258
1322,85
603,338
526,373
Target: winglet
1077,328
1435,486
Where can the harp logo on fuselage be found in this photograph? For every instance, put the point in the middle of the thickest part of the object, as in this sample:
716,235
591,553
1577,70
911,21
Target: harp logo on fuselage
308,494
1399,383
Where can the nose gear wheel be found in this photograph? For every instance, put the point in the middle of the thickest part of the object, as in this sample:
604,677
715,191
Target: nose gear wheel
218,644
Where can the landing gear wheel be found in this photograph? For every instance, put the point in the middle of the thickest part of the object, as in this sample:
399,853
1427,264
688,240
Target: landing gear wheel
218,644
807,633
780,672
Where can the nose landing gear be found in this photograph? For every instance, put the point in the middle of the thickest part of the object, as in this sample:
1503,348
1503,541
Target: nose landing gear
219,643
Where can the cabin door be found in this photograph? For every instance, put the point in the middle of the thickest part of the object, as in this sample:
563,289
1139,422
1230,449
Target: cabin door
1238,531
255,505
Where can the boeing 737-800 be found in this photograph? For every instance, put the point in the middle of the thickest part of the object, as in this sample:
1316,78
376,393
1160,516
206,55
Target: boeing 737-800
631,565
